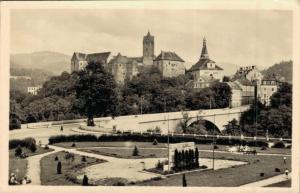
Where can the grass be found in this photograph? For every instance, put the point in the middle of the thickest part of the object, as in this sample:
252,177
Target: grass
110,144
127,153
19,165
283,184
130,144
70,169
229,177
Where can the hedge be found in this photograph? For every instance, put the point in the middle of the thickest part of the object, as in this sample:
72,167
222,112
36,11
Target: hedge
27,142
150,138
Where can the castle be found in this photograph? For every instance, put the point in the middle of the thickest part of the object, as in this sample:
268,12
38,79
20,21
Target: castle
124,67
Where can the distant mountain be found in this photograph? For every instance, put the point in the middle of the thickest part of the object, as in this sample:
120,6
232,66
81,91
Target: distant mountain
283,69
53,62
229,68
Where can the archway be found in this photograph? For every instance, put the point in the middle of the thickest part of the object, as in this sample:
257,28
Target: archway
203,126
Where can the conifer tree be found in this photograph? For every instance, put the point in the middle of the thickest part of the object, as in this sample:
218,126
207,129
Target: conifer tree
197,158
184,184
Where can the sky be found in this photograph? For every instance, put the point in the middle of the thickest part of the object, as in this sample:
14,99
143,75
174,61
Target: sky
240,37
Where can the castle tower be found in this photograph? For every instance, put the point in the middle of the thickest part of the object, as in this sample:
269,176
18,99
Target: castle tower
204,53
148,49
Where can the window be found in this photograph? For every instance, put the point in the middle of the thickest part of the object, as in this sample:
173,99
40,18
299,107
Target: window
272,89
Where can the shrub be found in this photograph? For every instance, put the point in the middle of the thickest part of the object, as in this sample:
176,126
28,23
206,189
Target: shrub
73,144
85,180
46,147
279,144
69,156
203,167
58,169
289,147
184,184
155,142
277,170
56,158
262,174
135,151
83,159
216,147
263,148
32,147
27,142
119,183
18,151
159,165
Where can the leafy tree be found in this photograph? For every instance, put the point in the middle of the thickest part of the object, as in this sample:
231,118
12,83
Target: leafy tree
183,125
222,94
95,91
232,128
283,96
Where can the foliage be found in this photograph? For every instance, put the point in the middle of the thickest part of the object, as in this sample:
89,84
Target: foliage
18,151
184,183
278,144
95,92
232,128
83,159
58,168
135,151
27,142
283,96
150,138
85,180
155,142
283,69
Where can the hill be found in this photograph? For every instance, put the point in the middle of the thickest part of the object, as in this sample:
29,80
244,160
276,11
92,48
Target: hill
53,62
283,69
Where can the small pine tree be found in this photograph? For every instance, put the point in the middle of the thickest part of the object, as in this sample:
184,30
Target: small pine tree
176,160
135,151
61,128
56,158
83,159
182,160
85,180
155,142
59,168
197,165
18,151
184,184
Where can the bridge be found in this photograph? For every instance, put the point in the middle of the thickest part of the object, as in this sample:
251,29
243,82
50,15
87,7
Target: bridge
217,118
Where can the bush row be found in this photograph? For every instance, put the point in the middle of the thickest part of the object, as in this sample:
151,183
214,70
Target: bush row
27,142
151,138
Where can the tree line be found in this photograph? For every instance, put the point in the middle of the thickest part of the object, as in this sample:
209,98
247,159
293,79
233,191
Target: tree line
94,93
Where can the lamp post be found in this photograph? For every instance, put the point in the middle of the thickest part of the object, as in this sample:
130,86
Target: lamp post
168,138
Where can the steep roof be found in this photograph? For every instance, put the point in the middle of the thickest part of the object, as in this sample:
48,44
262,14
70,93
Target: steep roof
234,85
79,56
168,56
98,57
119,59
204,60
95,57
202,65
243,81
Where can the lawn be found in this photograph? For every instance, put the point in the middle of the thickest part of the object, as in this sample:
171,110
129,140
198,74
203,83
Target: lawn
130,144
127,153
19,165
70,169
110,144
283,184
229,177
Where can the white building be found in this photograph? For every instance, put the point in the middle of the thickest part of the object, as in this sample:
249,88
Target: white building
206,67
33,90
267,88
169,64
237,94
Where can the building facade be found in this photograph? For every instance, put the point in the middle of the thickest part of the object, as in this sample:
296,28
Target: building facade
33,90
80,60
205,70
237,94
169,64
123,67
268,87
148,49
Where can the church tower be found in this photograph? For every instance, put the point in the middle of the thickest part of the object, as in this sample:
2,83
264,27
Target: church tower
148,49
204,53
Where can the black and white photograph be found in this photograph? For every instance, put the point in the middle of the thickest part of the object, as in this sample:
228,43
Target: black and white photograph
144,97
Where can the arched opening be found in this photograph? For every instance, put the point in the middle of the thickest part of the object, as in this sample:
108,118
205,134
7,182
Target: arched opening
203,127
